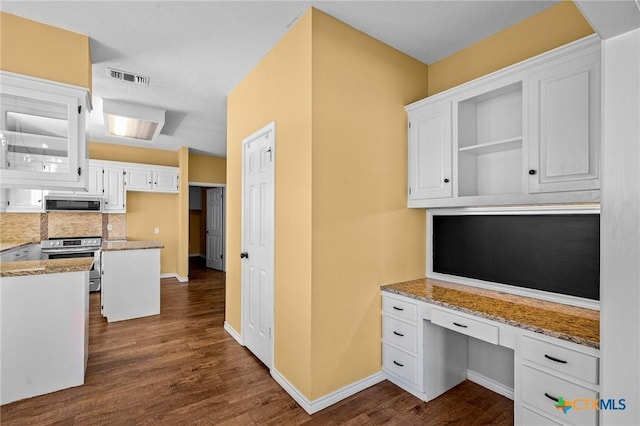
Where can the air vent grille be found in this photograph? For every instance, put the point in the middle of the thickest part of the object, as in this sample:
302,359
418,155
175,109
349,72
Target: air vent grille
128,76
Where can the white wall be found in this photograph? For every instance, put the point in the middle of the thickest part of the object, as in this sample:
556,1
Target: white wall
620,228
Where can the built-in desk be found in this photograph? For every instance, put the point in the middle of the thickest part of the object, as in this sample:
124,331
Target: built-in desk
426,325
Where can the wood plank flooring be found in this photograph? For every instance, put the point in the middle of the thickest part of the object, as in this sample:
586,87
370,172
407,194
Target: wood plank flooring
182,368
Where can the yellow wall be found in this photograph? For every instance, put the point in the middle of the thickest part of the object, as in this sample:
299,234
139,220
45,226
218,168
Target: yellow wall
146,210
182,266
363,233
342,226
205,169
551,28
39,50
194,232
278,89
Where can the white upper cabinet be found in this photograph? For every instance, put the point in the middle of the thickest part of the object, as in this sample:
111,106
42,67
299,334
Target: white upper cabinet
430,152
151,178
42,133
527,134
114,194
564,125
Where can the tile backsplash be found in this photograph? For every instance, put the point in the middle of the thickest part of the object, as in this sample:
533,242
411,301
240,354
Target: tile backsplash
17,227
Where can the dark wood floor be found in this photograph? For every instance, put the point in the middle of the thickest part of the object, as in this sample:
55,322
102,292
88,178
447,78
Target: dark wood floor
182,368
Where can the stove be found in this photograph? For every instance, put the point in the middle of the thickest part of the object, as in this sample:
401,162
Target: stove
67,248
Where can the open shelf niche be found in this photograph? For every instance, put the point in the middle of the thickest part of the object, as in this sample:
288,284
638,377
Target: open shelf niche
490,142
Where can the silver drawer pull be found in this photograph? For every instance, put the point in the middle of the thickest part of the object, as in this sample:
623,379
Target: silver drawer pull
398,364
398,309
555,359
553,398
398,334
460,325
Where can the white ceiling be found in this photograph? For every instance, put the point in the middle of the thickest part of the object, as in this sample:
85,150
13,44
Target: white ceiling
196,52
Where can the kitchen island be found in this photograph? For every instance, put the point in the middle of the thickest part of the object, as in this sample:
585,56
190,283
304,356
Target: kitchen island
44,325
130,279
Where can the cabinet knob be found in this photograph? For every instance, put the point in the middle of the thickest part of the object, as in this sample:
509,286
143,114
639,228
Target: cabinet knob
446,180
532,172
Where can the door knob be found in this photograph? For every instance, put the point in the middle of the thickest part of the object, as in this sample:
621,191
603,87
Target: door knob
244,255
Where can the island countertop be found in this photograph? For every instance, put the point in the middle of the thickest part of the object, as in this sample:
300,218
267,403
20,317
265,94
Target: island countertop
131,245
40,267
574,324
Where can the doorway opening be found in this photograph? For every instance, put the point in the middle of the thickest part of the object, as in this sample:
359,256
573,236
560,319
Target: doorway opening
207,224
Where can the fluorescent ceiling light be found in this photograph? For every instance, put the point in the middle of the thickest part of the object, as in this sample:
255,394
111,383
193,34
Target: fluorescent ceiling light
132,121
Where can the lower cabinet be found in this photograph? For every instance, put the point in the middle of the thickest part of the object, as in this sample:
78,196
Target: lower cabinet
425,348
556,382
130,284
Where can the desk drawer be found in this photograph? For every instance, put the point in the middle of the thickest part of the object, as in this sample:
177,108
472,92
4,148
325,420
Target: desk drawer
399,363
531,418
474,328
561,359
400,308
539,388
400,334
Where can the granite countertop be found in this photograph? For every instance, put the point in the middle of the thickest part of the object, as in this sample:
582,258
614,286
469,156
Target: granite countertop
6,245
578,325
40,267
130,245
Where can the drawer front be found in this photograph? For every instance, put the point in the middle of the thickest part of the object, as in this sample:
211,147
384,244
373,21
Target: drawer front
400,333
470,327
531,418
539,388
400,308
560,359
400,364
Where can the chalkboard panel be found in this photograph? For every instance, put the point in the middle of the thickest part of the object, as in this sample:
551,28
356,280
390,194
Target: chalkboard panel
559,253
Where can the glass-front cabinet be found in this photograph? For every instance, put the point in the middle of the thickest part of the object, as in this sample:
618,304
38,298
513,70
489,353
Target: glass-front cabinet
43,134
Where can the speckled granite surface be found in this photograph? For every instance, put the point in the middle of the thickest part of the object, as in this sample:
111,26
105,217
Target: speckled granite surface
39,267
130,245
578,325
6,246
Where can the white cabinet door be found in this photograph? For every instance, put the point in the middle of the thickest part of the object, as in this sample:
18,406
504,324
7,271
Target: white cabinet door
564,125
25,200
114,201
165,181
139,179
95,186
430,147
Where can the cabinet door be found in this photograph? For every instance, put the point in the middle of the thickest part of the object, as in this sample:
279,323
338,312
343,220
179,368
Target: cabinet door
165,181
564,126
113,190
25,200
430,152
44,117
139,179
95,186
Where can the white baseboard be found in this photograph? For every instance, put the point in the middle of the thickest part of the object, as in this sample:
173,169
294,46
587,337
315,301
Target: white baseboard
321,403
490,384
196,255
233,333
176,276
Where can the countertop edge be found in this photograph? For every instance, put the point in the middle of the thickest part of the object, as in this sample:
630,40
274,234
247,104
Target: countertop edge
561,336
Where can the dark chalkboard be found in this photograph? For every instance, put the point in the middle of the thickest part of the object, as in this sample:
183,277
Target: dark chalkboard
559,253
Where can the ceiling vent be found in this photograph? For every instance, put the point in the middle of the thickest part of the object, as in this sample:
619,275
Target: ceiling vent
127,76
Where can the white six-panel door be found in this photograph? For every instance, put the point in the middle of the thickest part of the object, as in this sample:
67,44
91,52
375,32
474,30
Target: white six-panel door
215,238
258,243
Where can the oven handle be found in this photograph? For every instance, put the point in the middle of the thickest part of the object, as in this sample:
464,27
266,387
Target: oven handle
65,251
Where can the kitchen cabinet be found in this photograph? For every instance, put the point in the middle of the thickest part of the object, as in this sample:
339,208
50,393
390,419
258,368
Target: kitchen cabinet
527,134
151,178
430,152
564,124
40,118
130,283
16,254
25,200
113,186
548,369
